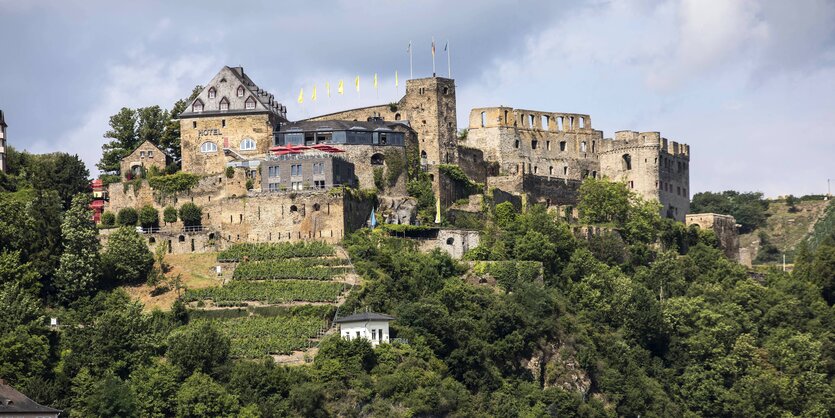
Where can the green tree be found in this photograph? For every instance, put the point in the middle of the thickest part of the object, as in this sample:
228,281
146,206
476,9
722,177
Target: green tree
822,271
191,214
200,396
18,306
170,139
45,211
126,257
23,355
123,140
64,173
505,214
202,347
112,397
127,217
156,388
150,124
78,273
603,201
169,215
148,216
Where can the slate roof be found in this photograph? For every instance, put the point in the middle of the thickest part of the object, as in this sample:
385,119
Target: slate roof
152,144
226,83
12,401
341,125
364,317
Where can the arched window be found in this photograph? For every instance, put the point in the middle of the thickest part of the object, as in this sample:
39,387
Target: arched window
627,162
197,106
247,144
450,241
240,91
583,146
294,208
208,146
316,207
377,159
250,103
212,92
397,116
224,105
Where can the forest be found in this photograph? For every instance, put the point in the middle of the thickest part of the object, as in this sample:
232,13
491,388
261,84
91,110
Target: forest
650,320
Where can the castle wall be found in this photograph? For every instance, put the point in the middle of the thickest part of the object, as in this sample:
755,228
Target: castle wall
551,191
542,143
455,242
472,163
360,156
725,228
196,131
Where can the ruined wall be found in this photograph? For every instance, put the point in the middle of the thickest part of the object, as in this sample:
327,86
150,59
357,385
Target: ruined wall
360,156
227,130
724,226
543,143
652,166
550,190
471,161
455,242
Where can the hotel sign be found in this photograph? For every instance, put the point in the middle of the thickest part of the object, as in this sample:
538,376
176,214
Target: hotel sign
208,132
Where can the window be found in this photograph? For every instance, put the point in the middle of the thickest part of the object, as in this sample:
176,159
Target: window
208,147
583,146
250,103
373,334
240,91
194,124
551,170
378,159
627,162
150,154
535,169
141,154
516,144
294,208
562,145
565,171
212,92
247,144
197,106
548,145
319,184
483,119
223,123
296,170
530,121
224,105
397,116
273,172
534,143
274,187
446,90
545,122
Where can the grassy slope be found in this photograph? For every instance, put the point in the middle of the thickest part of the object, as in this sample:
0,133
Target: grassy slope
196,270
784,228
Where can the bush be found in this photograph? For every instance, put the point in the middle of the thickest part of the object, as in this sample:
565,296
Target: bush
198,348
108,219
230,172
249,184
378,179
191,214
169,215
127,217
148,216
173,183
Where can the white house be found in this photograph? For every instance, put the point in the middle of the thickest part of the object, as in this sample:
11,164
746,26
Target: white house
369,325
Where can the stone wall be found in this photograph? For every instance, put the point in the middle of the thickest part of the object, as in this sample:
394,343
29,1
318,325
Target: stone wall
455,242
724,226
551,190
227,131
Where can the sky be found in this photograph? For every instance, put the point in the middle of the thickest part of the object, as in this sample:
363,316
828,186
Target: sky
749,85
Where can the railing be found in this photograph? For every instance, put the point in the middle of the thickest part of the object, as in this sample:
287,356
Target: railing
193,228
148,230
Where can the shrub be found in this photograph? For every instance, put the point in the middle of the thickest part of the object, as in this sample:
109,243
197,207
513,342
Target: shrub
127,217
127,258
230,172
108,219
148,216
378,178
191,214
173,183
169,215
249,184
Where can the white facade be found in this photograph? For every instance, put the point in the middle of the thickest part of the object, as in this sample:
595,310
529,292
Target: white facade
376,331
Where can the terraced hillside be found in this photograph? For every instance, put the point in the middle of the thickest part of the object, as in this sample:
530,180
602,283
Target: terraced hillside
277,299
786,228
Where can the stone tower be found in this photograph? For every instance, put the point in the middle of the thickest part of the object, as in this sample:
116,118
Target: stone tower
429,105
2,143
652,166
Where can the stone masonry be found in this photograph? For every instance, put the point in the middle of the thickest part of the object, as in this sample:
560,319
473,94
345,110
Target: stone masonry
725,228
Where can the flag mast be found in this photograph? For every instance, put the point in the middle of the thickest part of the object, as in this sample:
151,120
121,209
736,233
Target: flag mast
448,62
409,49
433,56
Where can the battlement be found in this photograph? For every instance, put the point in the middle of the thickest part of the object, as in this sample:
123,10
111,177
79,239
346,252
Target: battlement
508,117
631,139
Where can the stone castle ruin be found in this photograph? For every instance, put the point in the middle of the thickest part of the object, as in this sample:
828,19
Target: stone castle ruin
264,178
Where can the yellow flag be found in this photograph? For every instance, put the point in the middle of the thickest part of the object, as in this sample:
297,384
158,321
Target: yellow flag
341,88
328,88
301,95
375,80
396,82
357,82
313,97
438,210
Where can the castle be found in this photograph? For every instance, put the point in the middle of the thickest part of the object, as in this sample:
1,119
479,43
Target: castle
264,178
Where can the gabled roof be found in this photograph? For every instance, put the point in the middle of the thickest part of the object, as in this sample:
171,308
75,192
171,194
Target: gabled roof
364,317
225,84
14,401
153,145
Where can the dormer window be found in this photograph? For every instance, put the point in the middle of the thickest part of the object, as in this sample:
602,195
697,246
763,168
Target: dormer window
250,103
240,91
212,92
197,106
224,104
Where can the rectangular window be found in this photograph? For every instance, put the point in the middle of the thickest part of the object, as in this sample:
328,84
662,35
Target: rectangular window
562,145
141,154
373,334
150,154
548,145
319,184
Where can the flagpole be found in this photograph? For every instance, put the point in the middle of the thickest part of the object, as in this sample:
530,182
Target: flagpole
433,56
448,62
411,74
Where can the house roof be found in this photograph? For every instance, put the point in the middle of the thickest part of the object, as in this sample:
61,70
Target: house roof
14,401
225,85
364,317
152,144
